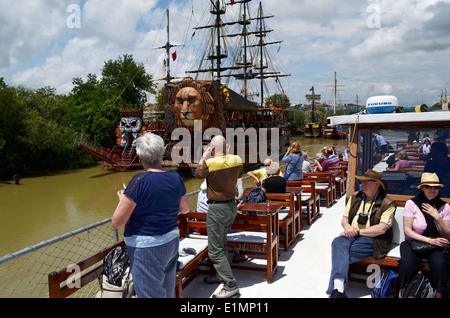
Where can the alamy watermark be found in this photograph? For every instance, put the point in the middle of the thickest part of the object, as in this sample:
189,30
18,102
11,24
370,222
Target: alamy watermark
238,140
374,19
74,19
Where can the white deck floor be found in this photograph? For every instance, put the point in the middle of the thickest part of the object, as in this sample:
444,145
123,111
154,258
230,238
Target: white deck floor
303,270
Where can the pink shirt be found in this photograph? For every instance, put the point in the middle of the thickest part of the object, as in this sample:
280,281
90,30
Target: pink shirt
403,164
419,222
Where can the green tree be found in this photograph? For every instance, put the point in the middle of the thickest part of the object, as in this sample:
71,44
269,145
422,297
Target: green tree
127,80
93,112
95,105
11,126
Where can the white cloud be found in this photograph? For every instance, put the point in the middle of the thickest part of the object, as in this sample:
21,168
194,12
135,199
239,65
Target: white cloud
407,54
28,27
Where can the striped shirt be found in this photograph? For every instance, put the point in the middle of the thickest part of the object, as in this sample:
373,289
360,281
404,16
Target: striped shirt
333,160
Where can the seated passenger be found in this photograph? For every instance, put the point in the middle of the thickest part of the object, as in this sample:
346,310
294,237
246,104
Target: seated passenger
439,164
274,183
260,174
307,166
321,163
367,224
425,148
332,158
426,219
401,163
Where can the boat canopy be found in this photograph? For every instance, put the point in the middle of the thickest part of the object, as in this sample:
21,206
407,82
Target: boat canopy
394,118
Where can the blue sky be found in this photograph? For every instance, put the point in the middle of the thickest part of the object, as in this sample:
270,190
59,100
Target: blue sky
377,47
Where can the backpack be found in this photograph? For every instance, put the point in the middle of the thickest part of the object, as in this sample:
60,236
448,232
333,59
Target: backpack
388,284
419,287
256,195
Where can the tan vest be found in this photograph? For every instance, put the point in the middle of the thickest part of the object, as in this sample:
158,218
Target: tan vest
381,243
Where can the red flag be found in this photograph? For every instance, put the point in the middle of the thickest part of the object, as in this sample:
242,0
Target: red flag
232,2
174,55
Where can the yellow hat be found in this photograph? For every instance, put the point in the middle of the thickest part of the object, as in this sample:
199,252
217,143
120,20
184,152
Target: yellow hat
430,179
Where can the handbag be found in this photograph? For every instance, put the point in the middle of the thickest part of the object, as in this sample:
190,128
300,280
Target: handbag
422,247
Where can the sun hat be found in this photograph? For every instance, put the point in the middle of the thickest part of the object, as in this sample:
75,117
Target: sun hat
372,175
430,179
274,168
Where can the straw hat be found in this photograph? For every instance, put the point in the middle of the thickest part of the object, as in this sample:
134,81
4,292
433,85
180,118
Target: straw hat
274,168
372,175
430,179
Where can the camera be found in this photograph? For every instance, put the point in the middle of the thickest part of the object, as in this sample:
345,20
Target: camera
362,218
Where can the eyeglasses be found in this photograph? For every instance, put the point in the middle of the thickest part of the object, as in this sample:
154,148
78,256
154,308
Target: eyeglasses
266,165
431,187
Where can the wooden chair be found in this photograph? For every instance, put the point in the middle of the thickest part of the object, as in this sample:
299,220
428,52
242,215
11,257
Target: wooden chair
325,185
289,220
310,198
286,218
257,234
190,266
341,179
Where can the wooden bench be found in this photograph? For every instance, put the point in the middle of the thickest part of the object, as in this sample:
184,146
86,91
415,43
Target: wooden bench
253,234
325,185
187,270
55,279
310,199
189,267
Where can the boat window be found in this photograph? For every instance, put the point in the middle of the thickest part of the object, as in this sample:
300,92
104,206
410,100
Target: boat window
402,155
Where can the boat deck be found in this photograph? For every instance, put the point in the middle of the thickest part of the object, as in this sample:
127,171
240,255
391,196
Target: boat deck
303,270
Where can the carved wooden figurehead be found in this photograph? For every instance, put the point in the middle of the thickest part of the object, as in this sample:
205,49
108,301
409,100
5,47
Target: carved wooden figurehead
191,100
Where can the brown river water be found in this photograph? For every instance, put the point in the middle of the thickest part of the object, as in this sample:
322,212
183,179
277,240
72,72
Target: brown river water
43,207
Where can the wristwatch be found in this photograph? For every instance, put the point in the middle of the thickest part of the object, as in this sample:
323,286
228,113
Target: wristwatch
357,233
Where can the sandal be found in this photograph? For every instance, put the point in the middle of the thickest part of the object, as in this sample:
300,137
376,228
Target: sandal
241,258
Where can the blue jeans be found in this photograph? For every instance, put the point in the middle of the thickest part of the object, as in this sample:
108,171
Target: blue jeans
154,269
344,251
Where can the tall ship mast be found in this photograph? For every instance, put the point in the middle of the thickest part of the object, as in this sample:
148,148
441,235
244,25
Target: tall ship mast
239,49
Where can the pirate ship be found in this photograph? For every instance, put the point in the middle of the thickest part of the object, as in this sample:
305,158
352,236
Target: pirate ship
237,61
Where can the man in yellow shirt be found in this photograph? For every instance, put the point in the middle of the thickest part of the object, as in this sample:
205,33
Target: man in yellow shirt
260,174
221,173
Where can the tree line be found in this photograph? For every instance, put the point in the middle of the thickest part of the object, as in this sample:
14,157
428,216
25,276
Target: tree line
38,127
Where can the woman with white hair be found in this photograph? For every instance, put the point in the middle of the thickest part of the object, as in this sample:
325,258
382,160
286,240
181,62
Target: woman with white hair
149,208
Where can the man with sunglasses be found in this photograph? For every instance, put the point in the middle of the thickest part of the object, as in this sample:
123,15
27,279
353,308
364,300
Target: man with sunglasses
367,223
261,174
